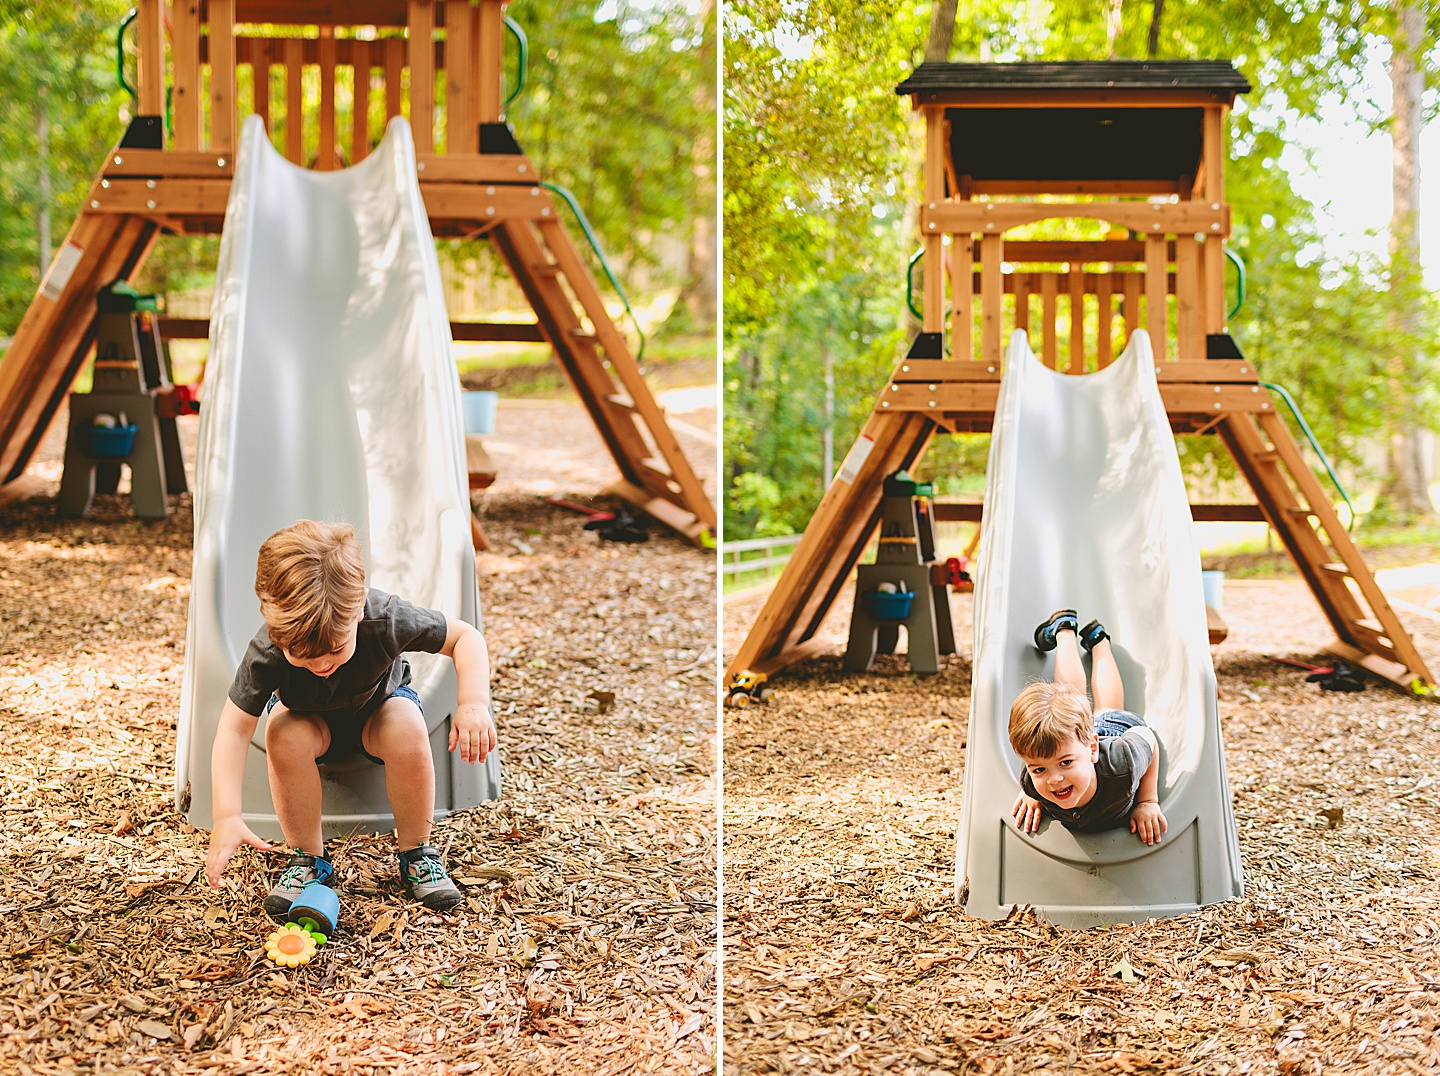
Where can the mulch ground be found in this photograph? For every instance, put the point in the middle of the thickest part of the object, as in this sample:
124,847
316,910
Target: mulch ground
845,953
587,942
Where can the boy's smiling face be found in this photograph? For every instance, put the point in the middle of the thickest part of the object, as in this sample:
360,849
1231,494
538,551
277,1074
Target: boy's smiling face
1066,778
326,664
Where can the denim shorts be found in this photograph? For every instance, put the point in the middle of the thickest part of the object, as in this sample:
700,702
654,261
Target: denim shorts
345,734
1117,722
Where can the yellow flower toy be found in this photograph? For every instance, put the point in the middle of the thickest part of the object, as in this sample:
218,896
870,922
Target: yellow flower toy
290,946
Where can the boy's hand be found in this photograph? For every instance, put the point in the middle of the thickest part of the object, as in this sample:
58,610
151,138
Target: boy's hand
1026,813
1147,823
472,732
229,834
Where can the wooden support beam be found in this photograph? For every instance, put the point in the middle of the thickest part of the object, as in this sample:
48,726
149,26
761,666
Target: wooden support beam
421,52
1156,292
461,22
1049,345
1077,321
1104,321
489,69
326,159
151,40
992,253
1189,318
223,111
360,102
294,102
998,217
962,298
260,60
186,103
394,64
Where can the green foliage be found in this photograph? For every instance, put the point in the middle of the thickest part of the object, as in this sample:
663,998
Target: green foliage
57,58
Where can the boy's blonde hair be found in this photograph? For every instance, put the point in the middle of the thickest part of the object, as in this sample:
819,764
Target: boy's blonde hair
1046,715
310,580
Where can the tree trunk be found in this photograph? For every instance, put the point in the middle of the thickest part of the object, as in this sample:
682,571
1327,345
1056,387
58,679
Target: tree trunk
695,306
942,31
1113,25
1406,487
1152,46
44,192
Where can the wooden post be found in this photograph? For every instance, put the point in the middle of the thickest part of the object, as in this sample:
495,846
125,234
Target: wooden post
1213,194
260,78
1050,350
933,315
460,131
1024,287
962,296
992,298
394,62
359,101
1157,286
1077,319
1189,318
222,76
295,101
185,94
151,32
1132,304
1104,320
421,54
325,157
490,61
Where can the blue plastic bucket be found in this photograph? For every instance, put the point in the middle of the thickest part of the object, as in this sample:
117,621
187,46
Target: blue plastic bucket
108,442
882,606
478,409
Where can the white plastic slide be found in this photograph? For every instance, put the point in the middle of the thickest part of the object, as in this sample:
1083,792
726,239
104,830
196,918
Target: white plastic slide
331,394
1085,508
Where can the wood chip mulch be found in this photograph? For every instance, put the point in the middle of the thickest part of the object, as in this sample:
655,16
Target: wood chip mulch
844,951
587,943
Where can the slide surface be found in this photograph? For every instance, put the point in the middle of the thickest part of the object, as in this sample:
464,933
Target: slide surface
330,393
1086,508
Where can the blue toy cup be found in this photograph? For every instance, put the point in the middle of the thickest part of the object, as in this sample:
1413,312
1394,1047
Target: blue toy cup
108,442
478,410
317,908
892,607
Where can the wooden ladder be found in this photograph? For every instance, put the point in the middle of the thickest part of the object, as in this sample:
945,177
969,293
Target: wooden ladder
1367,630
655,475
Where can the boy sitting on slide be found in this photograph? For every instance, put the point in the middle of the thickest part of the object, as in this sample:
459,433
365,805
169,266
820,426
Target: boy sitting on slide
1088,769
328,667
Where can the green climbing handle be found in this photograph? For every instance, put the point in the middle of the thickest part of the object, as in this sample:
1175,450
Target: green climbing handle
1239,282
584,223
522,47
910,285
1310,436
120,54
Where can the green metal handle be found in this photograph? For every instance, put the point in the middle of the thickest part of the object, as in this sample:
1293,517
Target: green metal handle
1239,282
522,58
910,283
584,223
1310,436
120,55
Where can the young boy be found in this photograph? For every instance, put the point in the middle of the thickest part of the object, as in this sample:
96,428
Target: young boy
328,668
1089,770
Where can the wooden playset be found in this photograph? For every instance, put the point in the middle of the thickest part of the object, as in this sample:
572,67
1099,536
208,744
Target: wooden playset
438,62
1123,163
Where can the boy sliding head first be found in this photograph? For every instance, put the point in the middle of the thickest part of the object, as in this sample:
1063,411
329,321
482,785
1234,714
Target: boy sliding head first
1088,769
328,667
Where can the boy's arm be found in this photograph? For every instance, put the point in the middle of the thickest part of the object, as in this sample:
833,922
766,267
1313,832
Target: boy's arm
472,729
1146,820
227,775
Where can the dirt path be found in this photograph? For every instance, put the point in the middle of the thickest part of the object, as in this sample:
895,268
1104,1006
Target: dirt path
587,942
845,953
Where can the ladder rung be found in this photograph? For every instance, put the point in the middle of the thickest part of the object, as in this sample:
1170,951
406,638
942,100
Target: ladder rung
1370,626
1335,569
546,269
1371,633
582,334
1266,457
1301,513
622,402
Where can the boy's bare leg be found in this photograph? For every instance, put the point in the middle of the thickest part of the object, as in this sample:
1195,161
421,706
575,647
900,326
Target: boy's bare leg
1105,684
292,744
397,734
1069,668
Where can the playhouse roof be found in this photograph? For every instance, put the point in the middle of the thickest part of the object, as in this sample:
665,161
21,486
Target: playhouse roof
1072,75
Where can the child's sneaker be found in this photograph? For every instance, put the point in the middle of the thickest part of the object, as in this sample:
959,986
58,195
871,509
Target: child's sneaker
301,869
1060,620
424,878
1092,633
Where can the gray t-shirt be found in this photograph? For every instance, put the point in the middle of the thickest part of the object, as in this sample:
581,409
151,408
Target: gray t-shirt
1123,761
390,627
